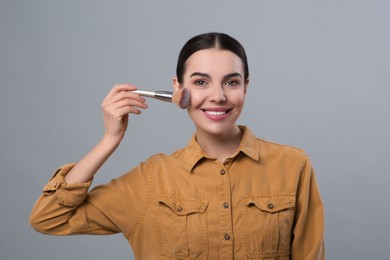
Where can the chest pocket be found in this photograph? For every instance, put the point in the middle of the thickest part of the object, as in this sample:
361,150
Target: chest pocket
182,227
268,223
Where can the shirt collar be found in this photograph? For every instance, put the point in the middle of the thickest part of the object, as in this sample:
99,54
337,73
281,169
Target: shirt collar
193,153
249,144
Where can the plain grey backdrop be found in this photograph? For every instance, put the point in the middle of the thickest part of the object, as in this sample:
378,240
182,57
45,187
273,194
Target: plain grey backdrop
319,75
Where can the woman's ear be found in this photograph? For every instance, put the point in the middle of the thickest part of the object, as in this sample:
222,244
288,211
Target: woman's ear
176,85
246,85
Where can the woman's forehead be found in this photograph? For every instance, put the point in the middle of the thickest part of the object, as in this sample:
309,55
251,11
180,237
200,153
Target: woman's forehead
209,60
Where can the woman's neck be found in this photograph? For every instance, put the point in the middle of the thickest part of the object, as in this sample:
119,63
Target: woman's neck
220,146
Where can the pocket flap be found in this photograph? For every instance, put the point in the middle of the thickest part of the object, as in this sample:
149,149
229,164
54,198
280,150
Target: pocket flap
183,206
271,203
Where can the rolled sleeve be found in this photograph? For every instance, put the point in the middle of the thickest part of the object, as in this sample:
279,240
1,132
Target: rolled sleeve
53,208
70,195
64,209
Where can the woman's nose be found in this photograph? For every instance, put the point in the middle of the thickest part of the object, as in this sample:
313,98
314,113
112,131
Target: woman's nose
217,95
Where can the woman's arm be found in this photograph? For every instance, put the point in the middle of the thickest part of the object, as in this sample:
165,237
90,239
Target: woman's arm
116,106
63,208
308,230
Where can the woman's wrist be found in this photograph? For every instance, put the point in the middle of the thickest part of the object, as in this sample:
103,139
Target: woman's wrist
109,141
84,170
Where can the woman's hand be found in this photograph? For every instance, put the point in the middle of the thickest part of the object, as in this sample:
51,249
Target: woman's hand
116,106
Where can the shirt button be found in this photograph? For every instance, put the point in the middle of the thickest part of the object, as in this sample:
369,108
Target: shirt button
179,209
270,206
222,172
226,237
226,205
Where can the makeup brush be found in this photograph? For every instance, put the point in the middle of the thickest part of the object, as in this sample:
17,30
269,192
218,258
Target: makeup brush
181,98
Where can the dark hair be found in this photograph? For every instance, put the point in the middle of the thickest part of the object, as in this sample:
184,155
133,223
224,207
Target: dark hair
207,41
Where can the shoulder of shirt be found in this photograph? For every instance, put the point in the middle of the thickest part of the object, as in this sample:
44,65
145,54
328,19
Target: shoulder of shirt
162,158
266,146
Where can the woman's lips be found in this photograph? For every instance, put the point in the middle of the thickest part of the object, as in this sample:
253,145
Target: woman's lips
216,114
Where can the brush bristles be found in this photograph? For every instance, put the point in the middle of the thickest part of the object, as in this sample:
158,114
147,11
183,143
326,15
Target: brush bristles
181,98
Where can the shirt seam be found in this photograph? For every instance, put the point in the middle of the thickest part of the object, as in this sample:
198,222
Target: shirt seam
129,234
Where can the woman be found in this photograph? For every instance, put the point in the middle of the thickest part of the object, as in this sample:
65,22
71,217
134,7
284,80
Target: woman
227,195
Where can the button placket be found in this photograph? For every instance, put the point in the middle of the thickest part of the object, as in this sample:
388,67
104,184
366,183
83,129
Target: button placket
225,210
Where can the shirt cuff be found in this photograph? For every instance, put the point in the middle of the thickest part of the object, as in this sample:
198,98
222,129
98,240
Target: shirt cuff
70,195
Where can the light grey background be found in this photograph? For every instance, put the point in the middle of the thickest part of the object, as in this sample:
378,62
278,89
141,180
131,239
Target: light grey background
319,81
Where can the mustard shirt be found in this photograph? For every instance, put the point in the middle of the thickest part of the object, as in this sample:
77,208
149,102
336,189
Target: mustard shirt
261,203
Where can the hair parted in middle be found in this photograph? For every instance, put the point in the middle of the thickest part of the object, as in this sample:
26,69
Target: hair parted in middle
210,40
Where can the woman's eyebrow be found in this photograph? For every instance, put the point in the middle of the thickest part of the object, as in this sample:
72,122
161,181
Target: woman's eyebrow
232,75
205,75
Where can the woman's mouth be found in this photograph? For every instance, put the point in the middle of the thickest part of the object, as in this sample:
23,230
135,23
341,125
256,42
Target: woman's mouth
216,114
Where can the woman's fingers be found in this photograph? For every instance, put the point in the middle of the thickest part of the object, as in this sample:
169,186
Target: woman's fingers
125,94
121,108
120,88
127,110
122,96
129,102
110,105
129,96
117,105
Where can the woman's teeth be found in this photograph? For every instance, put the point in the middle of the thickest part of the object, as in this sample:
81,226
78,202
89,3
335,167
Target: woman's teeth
216,113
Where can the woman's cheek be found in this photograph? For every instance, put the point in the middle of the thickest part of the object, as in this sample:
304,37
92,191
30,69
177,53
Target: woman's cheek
196,98
237,99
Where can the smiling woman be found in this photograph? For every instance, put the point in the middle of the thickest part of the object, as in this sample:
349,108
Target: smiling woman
216,81
227,195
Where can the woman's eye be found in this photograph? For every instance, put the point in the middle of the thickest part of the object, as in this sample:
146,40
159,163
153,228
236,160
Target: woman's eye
232,83
200,82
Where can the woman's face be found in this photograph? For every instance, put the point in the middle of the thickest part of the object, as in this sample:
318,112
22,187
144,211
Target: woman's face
216,81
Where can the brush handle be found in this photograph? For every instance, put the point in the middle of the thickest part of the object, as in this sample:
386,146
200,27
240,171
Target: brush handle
160,95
